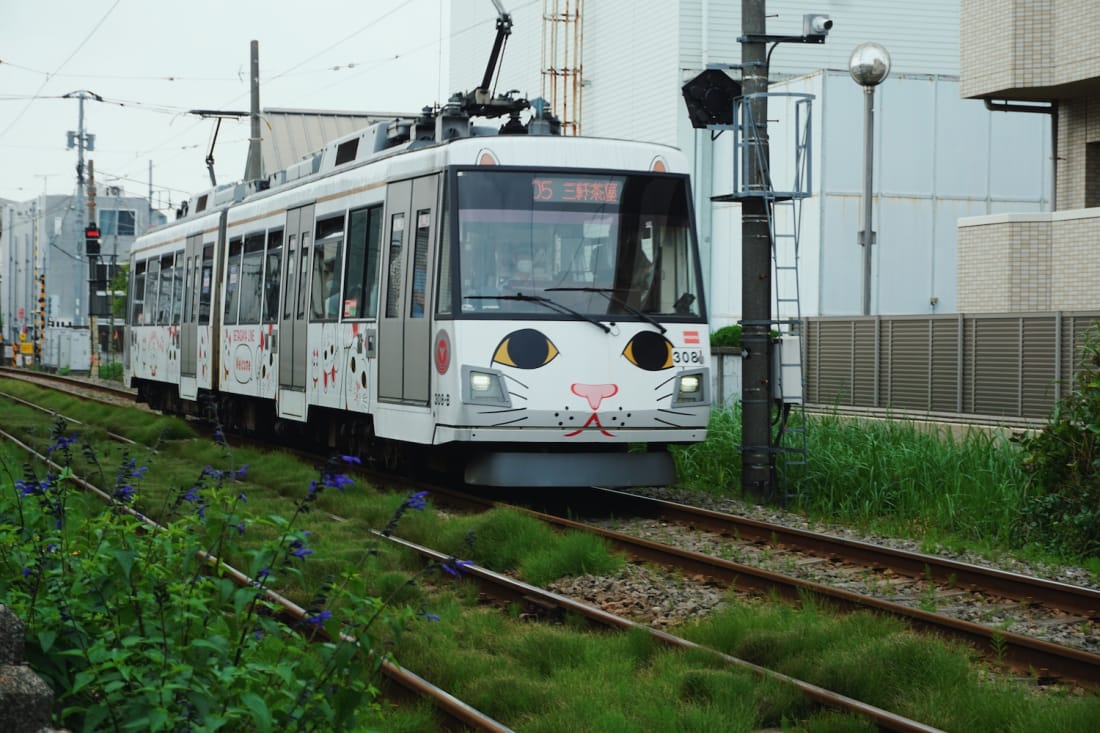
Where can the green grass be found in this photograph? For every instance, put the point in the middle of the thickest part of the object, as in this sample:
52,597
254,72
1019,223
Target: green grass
963,492
543,677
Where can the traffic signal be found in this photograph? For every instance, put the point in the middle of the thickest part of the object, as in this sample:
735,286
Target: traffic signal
91,240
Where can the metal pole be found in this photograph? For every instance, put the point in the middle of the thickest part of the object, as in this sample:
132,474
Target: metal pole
756,450
867,236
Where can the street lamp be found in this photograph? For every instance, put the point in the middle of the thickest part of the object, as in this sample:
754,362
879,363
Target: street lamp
869,65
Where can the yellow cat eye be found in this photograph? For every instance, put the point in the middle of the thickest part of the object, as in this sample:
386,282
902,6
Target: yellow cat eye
525,349
649,350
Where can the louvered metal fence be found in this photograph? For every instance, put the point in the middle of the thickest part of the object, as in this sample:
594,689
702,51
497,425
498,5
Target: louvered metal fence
1012,365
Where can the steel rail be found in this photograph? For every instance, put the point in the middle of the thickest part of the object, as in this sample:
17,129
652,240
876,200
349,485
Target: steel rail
505,588
1021,653
19,400
116,392
1072,599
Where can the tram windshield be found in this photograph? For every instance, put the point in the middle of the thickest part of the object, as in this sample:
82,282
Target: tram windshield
596,244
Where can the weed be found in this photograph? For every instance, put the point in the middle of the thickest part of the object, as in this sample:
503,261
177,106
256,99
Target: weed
136,627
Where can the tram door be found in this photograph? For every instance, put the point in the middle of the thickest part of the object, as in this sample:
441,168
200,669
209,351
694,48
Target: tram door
192,266
292,314
404,330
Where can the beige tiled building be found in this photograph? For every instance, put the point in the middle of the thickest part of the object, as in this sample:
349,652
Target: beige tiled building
1039,53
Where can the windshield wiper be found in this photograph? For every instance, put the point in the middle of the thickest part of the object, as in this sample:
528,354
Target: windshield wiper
545,302
612,297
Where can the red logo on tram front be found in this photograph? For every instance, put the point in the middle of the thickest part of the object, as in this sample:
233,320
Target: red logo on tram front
442,352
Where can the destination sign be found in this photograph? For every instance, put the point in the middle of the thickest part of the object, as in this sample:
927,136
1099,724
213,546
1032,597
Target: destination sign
574,190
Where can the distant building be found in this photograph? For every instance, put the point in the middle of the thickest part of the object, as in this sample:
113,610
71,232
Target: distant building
42,254
1037,59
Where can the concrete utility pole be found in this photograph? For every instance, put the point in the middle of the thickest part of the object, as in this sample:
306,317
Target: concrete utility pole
756,297
93,324
81,141
254,168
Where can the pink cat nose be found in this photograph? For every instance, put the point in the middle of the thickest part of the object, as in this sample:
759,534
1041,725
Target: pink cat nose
595,393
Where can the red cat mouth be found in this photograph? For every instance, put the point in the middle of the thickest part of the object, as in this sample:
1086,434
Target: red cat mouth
593,420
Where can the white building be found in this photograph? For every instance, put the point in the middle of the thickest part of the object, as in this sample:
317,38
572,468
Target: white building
937,157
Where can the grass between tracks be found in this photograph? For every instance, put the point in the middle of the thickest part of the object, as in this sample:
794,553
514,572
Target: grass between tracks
542,677
899,478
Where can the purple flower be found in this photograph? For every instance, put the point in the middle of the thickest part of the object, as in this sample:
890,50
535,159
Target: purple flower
455,567
192,495
124,493
354,460
240,528
298,549
431,617
417,501
62,443
242,498
27,572
319,618
339,481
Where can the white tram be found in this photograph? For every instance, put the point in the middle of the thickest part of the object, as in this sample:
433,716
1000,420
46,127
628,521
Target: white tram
521,305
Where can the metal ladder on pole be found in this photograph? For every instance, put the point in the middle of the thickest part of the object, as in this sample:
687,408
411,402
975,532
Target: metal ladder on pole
789,444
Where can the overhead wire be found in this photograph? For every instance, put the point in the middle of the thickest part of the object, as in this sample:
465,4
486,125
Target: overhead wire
360,67
60,67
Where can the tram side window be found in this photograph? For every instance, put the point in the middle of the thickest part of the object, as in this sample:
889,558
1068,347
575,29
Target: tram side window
152,290
664,264
364,245
189,289
137,295
395,285
291,277
206,284
303,280
327,261
420,262
443,304
273,261
251,285
232,282
164,297
177,289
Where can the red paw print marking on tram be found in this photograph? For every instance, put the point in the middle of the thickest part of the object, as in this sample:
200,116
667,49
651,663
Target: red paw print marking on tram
595,394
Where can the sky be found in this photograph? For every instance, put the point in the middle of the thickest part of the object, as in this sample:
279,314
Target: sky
152,61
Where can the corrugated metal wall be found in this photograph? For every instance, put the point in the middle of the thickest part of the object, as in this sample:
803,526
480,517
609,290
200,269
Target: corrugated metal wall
1008,365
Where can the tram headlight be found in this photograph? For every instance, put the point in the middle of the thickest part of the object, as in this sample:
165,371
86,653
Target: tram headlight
480,382
691,389
484,387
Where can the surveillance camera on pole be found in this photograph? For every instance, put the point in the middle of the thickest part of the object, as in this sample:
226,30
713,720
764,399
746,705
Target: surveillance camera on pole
815,24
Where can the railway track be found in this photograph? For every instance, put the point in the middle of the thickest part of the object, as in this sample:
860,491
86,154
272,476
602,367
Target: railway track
1025,654
1048,661
99,391
506,589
